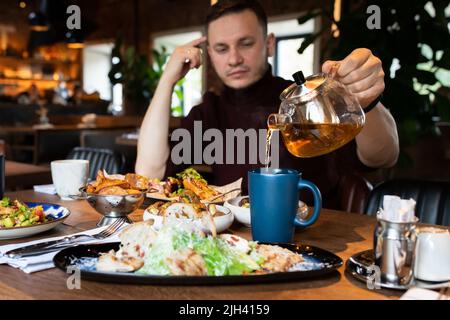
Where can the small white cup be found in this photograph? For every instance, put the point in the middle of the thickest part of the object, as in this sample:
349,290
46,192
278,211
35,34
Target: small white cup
432,261
69,176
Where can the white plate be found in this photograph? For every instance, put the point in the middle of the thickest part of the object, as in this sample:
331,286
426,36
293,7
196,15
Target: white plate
54,212
222,222
243,214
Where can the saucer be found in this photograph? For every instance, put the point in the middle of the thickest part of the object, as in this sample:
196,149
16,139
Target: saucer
359,266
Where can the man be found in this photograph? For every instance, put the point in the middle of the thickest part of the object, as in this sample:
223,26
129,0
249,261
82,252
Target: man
239,46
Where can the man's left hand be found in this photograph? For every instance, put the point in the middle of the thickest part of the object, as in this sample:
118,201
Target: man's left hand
361,72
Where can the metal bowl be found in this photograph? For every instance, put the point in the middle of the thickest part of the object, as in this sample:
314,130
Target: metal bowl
113,207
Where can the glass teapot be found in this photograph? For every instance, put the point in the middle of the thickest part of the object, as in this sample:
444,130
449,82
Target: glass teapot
317,115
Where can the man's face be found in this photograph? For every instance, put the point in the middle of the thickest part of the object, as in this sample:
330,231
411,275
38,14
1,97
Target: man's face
238,48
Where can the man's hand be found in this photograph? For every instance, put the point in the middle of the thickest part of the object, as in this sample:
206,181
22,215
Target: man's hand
183,59
361,72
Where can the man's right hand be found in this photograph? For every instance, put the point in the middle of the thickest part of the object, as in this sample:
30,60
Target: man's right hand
183,59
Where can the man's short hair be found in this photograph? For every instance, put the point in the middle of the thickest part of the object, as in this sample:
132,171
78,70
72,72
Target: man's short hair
224,7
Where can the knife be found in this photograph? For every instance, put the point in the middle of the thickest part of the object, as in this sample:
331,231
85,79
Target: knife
41,248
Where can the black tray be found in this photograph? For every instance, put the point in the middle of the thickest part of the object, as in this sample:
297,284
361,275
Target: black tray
358,266
319,262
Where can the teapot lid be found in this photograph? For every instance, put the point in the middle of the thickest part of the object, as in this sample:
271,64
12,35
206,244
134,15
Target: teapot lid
303,86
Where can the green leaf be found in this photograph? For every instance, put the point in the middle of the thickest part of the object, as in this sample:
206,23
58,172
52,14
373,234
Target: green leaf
5,202
179,94
178,110
444,62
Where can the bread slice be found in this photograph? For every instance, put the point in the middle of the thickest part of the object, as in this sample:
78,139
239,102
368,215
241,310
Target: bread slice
136,239
109,262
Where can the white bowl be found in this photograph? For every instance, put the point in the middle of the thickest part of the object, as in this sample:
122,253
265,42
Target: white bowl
222,222
243,214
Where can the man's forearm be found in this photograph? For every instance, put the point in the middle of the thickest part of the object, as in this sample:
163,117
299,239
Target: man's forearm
377,143
153,147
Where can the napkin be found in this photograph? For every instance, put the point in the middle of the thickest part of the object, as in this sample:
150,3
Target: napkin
45,261
423,294
396,209
45,188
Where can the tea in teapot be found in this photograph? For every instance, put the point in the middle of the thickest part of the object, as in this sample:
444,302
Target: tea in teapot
317,115
315,139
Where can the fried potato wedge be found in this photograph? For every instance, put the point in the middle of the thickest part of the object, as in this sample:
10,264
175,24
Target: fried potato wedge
105,184
112,183
113,191
137,181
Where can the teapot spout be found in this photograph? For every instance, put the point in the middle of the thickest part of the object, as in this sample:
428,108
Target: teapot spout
278,120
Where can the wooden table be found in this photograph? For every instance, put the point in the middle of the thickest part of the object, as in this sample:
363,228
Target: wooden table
24,175
342,233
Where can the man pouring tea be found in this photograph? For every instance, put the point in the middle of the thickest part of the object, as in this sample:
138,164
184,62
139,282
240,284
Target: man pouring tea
239,46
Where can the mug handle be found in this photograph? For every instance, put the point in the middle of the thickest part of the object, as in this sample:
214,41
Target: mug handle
305,184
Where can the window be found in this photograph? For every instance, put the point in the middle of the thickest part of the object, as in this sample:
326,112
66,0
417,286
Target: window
189,93
96,65
289,36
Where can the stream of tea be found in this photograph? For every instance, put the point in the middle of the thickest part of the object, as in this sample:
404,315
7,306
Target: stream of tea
312,139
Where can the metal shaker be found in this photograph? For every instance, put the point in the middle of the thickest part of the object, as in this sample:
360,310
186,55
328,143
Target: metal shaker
394,249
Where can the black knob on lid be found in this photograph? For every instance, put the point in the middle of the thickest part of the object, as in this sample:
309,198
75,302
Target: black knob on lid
299,78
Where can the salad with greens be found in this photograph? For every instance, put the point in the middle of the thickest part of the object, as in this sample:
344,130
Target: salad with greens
181,249
218,256
18,214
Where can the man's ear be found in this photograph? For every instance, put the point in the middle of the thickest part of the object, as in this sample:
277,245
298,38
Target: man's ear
270,41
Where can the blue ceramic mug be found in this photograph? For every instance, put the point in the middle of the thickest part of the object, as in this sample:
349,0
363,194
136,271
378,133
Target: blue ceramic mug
274,196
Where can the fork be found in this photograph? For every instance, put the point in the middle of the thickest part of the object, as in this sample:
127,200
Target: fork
208,201
53,245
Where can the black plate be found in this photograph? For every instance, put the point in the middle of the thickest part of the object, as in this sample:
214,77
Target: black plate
318,262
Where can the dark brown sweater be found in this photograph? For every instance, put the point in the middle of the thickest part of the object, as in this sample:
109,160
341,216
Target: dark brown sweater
249,108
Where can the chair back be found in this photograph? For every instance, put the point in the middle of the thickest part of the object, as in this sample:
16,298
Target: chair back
353,192
432,198
99,159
